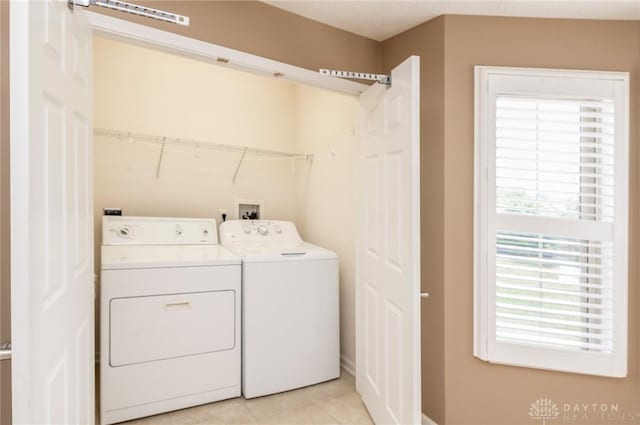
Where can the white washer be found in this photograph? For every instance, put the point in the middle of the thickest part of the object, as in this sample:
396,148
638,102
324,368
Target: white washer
170,317
290,311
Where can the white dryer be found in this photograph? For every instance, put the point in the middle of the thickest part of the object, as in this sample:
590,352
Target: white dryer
290,307
170,317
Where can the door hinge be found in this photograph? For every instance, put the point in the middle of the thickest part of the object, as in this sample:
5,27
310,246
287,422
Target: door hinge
380,78
5,350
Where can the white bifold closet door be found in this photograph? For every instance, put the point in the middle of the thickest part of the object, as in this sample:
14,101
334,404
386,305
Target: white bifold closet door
388,249
51,215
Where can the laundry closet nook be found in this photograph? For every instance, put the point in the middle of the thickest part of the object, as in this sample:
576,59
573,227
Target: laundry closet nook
179,137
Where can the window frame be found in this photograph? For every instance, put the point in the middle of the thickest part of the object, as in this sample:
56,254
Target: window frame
485,345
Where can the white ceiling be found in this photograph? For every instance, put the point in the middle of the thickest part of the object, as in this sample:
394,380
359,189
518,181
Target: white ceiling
381,19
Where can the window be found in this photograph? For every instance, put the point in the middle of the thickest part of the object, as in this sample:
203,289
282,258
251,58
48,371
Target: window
551,219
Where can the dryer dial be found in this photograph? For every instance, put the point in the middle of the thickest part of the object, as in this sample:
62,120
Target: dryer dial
125,231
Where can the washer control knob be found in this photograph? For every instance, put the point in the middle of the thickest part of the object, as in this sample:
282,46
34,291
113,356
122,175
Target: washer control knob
205,232
178,230
263,230
246,229
278,229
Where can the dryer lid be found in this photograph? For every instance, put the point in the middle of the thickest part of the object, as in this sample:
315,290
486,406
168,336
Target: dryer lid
117,257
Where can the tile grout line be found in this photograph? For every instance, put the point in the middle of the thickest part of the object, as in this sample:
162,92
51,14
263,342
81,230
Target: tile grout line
246,406
338,421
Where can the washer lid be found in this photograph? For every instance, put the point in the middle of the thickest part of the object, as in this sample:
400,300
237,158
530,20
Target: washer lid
280,251
116,257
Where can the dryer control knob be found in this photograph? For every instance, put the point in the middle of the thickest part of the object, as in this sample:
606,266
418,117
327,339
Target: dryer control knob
278,229
263,230
125,231
246,229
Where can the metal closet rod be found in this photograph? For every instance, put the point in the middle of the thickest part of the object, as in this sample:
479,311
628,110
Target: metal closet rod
196,144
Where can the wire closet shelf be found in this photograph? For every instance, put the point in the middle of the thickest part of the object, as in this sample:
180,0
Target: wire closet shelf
196,144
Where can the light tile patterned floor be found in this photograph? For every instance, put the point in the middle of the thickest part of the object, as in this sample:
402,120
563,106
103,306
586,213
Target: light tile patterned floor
330,403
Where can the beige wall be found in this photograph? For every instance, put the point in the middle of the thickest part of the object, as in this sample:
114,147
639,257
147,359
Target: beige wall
147,91
325,126
254,27
574,44
477,392
427,41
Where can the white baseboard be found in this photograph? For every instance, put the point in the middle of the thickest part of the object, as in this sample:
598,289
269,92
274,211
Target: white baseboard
427,420
348,365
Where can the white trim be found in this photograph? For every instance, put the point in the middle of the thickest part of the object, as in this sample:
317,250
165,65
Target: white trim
621,232
489,82
427,420
480,300
485,71
150,37
560,227
416,248
348,364
20,287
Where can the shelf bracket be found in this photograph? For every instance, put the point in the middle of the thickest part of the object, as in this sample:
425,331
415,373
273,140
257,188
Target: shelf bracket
244,152
160,160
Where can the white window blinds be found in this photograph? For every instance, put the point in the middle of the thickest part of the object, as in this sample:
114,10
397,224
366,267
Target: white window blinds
551,219
555,158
